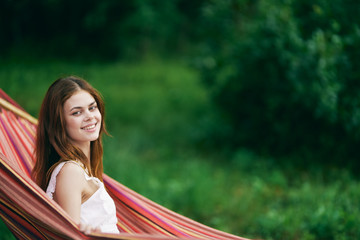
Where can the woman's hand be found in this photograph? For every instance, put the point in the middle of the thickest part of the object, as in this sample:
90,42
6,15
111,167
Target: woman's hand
87,229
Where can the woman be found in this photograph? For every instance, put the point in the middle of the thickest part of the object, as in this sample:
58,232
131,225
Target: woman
69,153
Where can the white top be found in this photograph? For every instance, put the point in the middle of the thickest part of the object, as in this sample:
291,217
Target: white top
99,210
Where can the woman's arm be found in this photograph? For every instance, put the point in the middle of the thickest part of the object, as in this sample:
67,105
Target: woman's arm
70,184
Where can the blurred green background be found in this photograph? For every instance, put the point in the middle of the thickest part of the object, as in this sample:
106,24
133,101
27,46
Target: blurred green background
240,114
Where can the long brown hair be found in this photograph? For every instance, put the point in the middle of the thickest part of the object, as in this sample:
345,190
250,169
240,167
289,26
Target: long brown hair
52,143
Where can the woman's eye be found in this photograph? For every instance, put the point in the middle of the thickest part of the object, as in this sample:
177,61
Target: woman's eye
76,113
92,108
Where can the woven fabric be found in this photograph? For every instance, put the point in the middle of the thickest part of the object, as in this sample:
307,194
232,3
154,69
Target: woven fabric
31,214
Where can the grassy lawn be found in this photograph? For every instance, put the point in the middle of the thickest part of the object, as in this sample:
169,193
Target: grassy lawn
157,112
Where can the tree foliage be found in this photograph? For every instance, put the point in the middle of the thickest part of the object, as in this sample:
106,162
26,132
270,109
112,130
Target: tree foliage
285,74
107,28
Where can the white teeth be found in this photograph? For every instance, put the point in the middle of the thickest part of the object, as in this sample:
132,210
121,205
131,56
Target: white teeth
89,127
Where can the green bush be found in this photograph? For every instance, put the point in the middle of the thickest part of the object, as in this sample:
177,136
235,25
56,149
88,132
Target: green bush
285,75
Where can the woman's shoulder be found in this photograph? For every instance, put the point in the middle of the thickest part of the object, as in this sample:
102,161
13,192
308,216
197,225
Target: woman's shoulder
71,171
71,167
66,173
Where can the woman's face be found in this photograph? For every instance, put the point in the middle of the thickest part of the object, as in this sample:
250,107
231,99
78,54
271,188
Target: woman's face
82,118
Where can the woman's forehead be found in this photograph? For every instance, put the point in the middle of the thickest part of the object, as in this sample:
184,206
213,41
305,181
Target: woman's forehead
80,98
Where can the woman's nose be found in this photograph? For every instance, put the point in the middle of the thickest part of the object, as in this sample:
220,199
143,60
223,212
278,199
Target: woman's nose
89,116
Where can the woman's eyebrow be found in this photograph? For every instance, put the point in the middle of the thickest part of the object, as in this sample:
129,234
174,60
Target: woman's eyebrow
78,107
75,108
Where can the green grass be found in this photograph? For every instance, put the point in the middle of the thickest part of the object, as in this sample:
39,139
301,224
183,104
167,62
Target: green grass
156,113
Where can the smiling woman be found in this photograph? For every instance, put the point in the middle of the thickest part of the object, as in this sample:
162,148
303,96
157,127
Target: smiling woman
82,119
69,154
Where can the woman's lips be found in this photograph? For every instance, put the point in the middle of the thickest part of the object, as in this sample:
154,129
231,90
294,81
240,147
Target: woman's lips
89,127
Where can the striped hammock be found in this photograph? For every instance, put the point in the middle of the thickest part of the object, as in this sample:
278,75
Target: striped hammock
30,214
